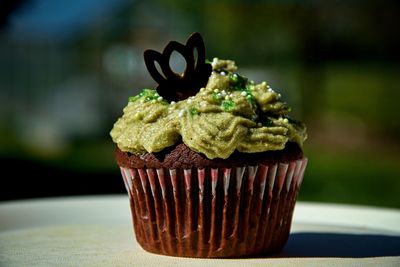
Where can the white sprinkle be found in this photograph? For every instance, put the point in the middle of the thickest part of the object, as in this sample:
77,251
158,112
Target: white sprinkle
203,103
219,95
279,95
270,90
243,93
160,98
153,101
264,83
235,75
173,102
223,93
248,96
201,89
216,90
190,101
214,62
285,120
181,113
226,97
222,73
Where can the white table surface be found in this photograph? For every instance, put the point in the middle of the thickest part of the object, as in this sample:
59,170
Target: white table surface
97,231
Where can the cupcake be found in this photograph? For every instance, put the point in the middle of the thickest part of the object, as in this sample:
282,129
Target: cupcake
211,161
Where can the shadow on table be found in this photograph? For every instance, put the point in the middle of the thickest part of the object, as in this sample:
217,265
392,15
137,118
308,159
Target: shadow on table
341,245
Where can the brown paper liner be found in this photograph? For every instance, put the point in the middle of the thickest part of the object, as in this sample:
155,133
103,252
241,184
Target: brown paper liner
221,212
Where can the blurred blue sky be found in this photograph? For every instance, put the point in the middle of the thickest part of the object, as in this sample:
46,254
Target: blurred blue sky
60,20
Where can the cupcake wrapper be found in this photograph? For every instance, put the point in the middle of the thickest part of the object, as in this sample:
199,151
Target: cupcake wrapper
214,212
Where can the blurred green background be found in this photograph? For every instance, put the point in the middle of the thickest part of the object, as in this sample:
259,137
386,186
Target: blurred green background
67,69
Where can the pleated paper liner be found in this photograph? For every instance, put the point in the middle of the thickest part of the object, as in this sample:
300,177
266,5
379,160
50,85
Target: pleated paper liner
222,212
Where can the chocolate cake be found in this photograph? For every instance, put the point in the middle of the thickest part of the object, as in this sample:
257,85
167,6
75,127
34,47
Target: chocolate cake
181,156
212,161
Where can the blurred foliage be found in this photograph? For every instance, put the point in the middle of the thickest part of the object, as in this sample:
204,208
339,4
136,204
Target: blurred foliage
351,177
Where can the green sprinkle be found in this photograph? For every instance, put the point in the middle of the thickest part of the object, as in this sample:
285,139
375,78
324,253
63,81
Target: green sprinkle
234,77
147,92
228,105
249,96
216,96
208,61
148,95
238,82
193,111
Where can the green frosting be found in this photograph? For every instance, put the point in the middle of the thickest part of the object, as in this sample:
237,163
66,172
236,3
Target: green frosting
230,113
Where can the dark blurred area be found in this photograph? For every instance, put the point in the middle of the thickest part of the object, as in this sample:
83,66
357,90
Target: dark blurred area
67,69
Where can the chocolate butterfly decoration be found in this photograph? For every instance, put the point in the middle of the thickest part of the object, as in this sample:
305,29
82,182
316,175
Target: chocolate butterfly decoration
173,86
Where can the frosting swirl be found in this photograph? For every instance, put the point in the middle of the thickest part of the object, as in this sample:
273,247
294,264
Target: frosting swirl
230,113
